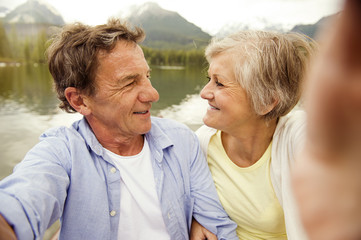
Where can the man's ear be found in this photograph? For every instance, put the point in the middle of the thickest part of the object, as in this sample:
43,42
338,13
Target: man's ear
76,100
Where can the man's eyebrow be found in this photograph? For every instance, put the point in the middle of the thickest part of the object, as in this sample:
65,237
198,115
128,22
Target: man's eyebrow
132,76
127,78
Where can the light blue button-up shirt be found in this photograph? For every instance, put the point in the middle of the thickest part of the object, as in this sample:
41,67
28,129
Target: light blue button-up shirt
68,175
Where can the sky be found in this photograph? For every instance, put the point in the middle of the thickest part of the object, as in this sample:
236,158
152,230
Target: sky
209,15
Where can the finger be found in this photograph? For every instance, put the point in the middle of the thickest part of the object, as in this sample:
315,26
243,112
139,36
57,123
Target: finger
210,236
350,34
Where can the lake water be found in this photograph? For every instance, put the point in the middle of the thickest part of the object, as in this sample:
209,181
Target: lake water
28,105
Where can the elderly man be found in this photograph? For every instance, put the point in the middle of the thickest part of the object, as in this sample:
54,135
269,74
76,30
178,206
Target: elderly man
118,173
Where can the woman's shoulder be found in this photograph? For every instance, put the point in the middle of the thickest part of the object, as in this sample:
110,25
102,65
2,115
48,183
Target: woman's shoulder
295,120
290,133
204,130
204,134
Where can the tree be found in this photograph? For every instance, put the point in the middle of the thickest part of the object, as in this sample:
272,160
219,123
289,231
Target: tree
40,47
5,50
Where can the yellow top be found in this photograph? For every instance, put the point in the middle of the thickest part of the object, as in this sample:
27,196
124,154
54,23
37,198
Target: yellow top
247,193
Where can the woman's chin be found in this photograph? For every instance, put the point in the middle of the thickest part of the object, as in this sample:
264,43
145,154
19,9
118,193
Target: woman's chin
208,122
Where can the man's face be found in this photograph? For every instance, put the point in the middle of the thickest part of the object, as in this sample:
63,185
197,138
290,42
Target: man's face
124,94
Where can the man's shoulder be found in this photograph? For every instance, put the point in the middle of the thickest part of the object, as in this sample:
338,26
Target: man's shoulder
62,132
170,132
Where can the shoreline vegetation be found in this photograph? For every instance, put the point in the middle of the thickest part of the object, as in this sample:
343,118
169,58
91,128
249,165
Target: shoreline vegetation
164,59
16,49
34,64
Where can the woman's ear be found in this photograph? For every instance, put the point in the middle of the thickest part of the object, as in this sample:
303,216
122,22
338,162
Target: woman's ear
270,107
76,100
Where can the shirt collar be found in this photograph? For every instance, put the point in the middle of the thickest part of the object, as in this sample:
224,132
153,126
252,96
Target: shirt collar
156,137
89,137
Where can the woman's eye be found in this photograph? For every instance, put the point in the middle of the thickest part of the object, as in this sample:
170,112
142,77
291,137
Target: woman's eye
219,84
215,81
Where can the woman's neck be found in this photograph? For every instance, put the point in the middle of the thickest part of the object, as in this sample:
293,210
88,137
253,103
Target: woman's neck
246,146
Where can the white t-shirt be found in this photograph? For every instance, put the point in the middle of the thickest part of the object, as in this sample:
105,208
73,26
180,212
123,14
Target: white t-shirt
140,213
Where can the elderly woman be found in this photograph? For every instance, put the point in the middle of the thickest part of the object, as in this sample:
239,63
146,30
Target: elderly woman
250,135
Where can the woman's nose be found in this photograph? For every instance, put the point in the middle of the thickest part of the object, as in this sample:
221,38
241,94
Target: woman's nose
206,92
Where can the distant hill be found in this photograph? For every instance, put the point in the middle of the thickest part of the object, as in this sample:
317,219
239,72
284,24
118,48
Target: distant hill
32,17
258,24
3,11
264,25
312,29
35,12
165,29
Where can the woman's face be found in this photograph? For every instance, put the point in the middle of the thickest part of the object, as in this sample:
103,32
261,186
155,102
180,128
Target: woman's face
229,107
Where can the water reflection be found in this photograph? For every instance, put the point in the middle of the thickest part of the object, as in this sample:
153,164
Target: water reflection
189,111
29,87
28,105
174,85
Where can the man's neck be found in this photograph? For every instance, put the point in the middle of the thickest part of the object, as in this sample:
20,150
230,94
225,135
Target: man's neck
116,142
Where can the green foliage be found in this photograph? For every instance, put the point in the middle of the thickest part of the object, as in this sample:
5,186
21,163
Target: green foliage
4,43
174,57
15,45
32,49
27,49
38,54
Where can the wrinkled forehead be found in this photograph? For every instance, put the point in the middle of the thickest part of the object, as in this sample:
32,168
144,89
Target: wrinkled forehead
126,58
123,54
121,48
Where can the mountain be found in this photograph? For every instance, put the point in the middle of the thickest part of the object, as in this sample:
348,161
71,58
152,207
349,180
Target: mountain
35,12
32,17
262,24
165,29
312,29
3,11
258,24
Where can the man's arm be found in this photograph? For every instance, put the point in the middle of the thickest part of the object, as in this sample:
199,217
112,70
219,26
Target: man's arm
6,231
327,177
208,211
33,196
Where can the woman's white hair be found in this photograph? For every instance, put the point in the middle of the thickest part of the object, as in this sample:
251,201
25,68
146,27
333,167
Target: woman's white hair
270,66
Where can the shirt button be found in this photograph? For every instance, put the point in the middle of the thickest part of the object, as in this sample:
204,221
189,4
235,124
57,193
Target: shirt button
113,213
168,215
113,170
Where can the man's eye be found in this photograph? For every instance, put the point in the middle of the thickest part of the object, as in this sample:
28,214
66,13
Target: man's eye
129,84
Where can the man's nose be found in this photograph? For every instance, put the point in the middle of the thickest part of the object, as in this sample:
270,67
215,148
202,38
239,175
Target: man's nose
148,93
